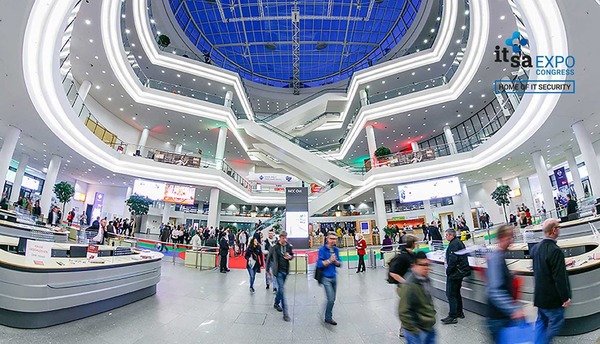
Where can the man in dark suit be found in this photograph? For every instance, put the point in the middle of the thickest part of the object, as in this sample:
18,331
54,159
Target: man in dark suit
552,292
54,217
571,208
223,252
457,268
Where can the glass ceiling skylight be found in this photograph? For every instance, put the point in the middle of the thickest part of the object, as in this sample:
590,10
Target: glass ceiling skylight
255,38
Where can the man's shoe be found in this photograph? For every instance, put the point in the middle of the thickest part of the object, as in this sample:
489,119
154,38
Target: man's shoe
274,290
449,321
461,315
357,271
286,317
267,287
278,308
227,270
251,289
331,322
222,271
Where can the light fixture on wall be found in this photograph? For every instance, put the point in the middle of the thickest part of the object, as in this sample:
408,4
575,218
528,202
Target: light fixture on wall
253,213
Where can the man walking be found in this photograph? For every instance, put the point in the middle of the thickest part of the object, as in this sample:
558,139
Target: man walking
416,310
329,260
502,308
457,267
223,253
268,244
552,292
401,264
280,256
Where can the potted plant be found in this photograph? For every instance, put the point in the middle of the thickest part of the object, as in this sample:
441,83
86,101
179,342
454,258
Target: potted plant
163,41
64,191
277,228
138,206
381,154
500,196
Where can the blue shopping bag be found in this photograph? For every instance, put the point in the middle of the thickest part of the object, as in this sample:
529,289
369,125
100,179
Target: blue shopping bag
519,332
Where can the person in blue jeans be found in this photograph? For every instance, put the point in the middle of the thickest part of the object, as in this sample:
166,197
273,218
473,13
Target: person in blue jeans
279,257
552,291
269,278
254,258
329,260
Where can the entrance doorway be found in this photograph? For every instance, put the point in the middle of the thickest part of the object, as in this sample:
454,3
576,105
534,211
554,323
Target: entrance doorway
444,220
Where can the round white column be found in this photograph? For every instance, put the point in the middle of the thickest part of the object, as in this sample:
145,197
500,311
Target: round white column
84,89
450,140
371,144
16,189
466,206
542,173
7,150
364,99
228,99
51,176
214,208
575,173
220,152
379,205
166,214
414,146
143,140
178,148
589,155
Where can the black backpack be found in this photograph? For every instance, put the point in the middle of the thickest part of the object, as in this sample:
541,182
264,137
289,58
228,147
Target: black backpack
391,266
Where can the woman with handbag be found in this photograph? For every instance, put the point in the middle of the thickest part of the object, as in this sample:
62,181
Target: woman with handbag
361,250
254,260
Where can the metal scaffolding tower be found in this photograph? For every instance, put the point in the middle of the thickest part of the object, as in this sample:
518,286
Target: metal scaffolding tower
296,48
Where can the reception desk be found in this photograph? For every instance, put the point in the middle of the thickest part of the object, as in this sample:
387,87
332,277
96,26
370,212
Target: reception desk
568,229
21,230
584,313
39,293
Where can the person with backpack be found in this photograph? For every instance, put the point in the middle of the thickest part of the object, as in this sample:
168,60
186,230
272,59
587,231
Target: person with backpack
401,263
457,268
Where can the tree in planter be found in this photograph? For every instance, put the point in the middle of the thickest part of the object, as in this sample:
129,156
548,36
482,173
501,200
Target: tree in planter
163,41
381,153
138,206
390,231
64,191
500,196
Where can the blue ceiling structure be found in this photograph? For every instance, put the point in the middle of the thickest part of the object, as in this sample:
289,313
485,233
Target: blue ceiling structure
255,38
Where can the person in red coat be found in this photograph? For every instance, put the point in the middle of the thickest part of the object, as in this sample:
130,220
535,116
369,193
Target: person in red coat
361,249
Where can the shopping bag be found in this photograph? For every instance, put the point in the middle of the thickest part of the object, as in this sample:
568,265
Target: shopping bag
519,332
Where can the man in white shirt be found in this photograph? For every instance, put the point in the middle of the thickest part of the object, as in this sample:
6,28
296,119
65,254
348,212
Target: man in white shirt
99,238
196,241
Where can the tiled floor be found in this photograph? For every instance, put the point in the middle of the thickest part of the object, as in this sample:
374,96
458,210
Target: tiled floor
194,306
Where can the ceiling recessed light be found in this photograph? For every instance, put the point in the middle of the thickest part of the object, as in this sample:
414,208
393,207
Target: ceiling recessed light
97,87
109,99
127,31
88,22
121,109
209,84
502,17
91,40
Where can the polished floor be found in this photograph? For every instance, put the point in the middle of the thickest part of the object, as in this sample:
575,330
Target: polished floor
193,306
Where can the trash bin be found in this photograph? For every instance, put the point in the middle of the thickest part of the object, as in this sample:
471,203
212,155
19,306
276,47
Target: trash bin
373,259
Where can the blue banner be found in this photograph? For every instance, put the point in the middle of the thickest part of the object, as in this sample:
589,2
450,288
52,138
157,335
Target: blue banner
98,203
562,185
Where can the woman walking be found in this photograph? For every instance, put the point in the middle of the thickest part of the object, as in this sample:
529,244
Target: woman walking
254,260
361,249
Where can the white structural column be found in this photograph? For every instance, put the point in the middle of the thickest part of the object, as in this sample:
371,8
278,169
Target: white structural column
575,173
427,210
379,205
221,142
143,140
228,99
414,146
178,148
166,212
214,208
371,144
466,206
7,150
84,89
542,173
450,140
51,176
526,194
16,189
364,98
589,155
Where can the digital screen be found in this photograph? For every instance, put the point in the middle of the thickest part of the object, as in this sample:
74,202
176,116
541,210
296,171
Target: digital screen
296,224
429,189
30,183
179,194
152,190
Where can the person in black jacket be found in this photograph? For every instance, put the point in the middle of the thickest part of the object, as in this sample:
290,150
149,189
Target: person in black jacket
400,264
571,208
280,256
457,267
552,292
434,232
223,252
254,261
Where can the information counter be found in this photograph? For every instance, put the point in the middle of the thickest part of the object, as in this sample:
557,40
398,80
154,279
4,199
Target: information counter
40,292
569,229
14,225
584,313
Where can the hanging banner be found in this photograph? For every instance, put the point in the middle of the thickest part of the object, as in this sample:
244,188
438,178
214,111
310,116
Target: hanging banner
98,203
562,185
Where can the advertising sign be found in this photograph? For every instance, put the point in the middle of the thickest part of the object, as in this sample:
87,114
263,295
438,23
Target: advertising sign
562,185
98,202
38,250
92,251
296,217
153,190
296,224
179,194
315,188
429,189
